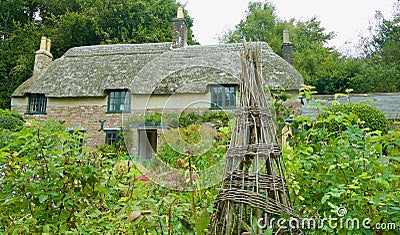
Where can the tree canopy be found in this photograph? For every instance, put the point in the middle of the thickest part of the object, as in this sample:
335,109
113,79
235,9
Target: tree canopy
81,23
75,23
322,66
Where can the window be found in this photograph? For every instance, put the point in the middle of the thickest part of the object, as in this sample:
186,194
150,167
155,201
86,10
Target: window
112,137
119,101
37,104
78,135
223,96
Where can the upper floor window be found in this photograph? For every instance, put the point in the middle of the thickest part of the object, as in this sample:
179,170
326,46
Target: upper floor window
223,96
119,101
37,103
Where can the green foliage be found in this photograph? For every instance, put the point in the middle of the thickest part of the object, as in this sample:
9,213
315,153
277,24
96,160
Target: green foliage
75,23
72,29
185,119
5,137
369,117
220,118
380,64
321,66
48,180
347,167
196,137
384,42
168,212
260,24
6,112
50,184
281,110
375,75
16,59
10,123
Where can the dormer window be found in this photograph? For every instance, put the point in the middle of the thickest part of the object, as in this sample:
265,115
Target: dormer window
119,101
223,96
37,104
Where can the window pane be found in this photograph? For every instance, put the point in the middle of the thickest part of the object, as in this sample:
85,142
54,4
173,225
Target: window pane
119,101
223,96
111,137
37,104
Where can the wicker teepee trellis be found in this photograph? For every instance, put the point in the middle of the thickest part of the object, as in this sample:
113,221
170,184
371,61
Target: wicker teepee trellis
254,184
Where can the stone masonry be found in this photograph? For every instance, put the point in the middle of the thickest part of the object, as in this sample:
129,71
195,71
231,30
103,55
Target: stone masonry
84,117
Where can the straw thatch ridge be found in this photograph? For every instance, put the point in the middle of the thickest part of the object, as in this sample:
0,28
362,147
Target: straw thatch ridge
90,70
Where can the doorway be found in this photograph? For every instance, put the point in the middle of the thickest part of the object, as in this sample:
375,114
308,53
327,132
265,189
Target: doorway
147,143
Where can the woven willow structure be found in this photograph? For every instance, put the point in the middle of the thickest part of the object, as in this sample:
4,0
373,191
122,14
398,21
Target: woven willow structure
254,184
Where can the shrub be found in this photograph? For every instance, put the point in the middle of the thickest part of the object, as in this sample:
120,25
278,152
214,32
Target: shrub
48,181
220,118
10,123
49,184
351,169
207,151
369,116
5,137
6,112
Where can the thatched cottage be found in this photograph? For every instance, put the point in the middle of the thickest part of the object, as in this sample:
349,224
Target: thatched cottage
91,87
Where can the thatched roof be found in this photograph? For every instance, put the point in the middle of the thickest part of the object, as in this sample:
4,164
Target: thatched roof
152,68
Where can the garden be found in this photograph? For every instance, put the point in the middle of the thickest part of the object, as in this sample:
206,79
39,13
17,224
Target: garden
346,159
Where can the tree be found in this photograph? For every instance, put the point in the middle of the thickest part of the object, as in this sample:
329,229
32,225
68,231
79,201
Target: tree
260,24
381,60
75,23
319,64
17,57
385,40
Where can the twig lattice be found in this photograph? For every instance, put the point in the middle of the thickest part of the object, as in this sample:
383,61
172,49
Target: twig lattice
254,184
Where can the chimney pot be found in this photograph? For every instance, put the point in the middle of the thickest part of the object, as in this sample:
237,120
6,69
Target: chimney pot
43,44
286,38
48,44
287,47
43,57
179,14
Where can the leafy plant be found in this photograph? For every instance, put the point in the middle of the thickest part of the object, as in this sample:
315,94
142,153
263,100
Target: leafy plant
49,182
10,123
370,117
208,151
6,112
346,167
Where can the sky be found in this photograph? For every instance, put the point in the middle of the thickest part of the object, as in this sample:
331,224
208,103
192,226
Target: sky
347,18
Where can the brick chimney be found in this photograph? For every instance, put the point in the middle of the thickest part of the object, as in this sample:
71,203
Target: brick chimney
43,57
287,47
179,30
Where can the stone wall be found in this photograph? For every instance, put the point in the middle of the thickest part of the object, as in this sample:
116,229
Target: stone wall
79,116
388,103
